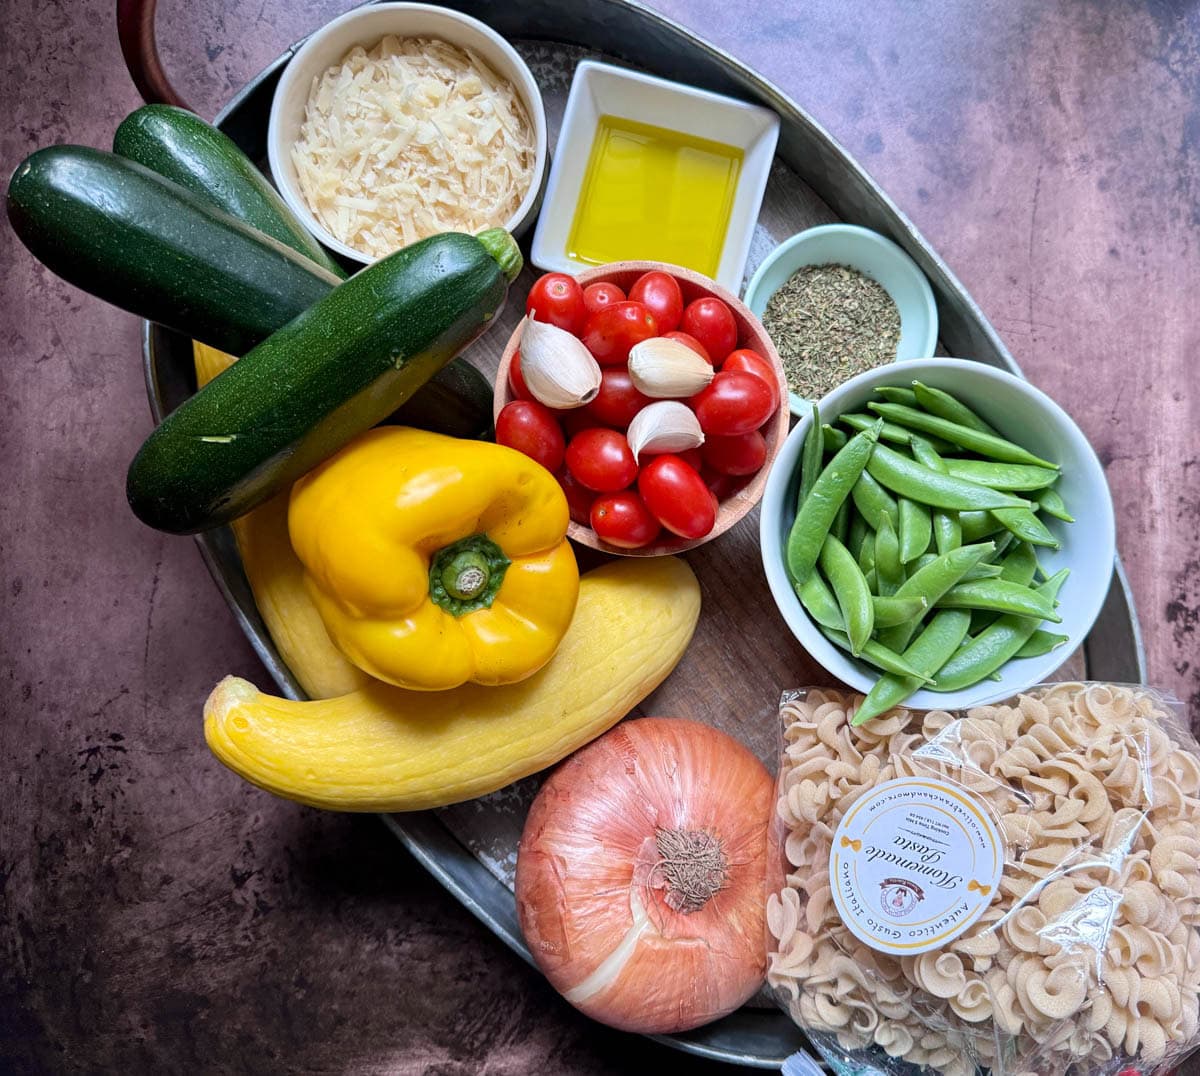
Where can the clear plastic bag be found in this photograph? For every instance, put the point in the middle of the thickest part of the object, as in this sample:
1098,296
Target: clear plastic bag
1013,890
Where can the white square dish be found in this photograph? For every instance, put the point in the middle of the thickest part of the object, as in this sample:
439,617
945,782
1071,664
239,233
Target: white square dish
599,90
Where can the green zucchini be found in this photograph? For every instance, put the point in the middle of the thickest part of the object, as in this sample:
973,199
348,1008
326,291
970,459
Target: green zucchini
127,235
179,145
336,370
456,401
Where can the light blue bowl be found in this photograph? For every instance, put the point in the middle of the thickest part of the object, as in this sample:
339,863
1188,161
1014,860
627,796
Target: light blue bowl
872,255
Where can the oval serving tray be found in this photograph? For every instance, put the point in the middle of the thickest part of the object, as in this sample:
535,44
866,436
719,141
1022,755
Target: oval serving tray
741,643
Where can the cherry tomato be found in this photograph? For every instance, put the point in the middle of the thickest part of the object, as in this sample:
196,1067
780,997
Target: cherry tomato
751,362
598,296
530,427
723,486
579,497
612,331
617,401
733,403
659,293
623,520
515,381
741,454
692,457
677,497
601,460
558,299
711,322
577,420
692,342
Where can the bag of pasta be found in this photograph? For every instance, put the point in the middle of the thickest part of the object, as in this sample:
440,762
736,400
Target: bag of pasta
1013,890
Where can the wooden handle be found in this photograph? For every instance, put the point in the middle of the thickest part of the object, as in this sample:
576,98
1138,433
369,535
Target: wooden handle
135,28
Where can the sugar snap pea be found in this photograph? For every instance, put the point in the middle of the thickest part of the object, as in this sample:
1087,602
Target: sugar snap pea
910,479
892,611
1019,566
1003,540
1053,505
929,651
942,404
1010,476
930,583
1040,642
992,647
851,592
819,602
876,654
889,570
916,529
977,525
829,492
947,531
811,455
889,431
834,438
866,552
982,570
841,522
1025,525
872,500
855,535
926,454
986,444
1001,596
894,394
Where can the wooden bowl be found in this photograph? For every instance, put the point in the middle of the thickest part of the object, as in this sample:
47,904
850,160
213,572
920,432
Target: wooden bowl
751,335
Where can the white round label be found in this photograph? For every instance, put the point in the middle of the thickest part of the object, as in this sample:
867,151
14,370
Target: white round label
914,863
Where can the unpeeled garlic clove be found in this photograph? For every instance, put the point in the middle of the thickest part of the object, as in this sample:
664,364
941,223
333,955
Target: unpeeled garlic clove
665,369
555,366
666,426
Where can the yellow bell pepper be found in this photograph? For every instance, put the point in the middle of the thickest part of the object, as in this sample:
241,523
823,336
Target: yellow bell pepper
434,561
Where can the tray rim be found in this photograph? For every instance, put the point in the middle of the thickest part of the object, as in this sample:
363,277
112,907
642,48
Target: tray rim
429,841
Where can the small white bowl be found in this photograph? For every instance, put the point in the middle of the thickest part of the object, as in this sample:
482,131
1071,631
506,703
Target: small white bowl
872,255
599,90
366,26
1021,413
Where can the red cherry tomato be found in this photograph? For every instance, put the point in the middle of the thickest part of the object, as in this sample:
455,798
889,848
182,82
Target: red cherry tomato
711,322
659,293
529,427
576,421
741,454
677,497
751,362
601,460
611,332
723,486
579,497
692,457
617,401
598,296
733,403
515,381
558,299
692,342
623,520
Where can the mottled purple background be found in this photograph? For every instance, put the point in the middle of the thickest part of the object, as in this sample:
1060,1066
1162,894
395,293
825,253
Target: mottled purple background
158,914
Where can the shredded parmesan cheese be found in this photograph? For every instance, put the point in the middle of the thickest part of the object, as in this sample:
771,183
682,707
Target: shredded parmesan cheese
411,138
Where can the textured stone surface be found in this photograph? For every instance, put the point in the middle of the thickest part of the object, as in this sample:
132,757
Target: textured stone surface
157,914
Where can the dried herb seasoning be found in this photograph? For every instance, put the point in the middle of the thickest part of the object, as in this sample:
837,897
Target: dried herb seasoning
830,322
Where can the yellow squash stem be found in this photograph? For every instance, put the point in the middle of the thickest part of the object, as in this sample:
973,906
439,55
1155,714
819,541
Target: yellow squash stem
383,748
276,579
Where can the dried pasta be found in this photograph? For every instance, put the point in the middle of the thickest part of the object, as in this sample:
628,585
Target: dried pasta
1089,953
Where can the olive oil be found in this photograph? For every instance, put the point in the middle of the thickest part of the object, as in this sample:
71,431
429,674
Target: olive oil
655,194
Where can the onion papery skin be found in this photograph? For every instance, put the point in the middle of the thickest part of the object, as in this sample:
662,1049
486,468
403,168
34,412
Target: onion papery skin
590,886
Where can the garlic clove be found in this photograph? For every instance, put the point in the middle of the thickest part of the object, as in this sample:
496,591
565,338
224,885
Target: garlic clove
666,369
666,426
557,369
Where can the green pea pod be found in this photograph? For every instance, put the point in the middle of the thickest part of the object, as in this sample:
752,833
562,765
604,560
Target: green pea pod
835,439
873,501
982,570
875,654
894,394
810,456
1040,642
890,431
856,534
947,531
930,583
925,454
892,611
1009,476
889,570
993,646
1000,596
986,444
866,551
1020,565
820,507
910,479
1053,505
872,581
931,649
1003,540
851,591
841,522
818,600
1025,525
916,529
943,405
977,525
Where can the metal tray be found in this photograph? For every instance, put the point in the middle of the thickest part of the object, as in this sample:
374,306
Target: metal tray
742,655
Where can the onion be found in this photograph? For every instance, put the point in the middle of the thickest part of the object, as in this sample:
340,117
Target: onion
641,876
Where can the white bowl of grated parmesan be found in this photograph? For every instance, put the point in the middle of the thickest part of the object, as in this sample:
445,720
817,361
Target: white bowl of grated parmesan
395,122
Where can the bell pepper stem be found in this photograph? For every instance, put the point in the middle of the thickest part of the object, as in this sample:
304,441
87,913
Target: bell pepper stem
465,576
